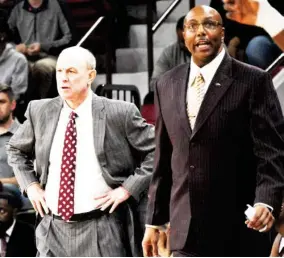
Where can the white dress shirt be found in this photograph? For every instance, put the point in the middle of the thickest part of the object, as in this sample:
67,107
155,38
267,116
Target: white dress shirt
208,71
89,181
9,233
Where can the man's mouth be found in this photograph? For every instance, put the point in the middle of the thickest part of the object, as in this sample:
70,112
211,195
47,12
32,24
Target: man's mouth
203,45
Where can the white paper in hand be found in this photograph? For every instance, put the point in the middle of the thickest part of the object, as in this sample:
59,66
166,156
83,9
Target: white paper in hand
250,212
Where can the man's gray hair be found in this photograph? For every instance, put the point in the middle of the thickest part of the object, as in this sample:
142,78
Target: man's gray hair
85,53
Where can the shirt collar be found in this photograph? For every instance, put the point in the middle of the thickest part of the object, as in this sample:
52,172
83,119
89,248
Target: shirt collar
208,71
10,229
83,108
30,9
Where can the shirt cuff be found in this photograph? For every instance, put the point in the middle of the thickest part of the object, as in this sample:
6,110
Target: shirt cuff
161,227
264,204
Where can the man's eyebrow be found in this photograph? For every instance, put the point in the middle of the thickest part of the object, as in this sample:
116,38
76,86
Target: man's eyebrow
191,20
204,19
68,68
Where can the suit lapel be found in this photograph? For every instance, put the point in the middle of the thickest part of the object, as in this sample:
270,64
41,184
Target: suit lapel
180,84
99,118
50,125
217,88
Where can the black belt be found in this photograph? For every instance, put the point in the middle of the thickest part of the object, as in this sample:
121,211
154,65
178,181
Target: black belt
84,216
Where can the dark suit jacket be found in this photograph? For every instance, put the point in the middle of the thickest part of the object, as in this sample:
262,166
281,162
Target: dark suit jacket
22,241
203,178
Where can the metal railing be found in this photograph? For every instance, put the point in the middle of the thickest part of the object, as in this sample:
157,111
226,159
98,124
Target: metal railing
108,46
151,29
278,62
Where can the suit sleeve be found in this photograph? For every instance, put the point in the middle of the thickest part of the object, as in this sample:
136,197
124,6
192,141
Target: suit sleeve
141,137
160,186
267,128
20,150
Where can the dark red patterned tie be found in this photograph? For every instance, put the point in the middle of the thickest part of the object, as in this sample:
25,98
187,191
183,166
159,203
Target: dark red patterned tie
68,167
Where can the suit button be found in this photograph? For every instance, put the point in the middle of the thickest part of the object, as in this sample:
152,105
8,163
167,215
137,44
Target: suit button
192,144
192,167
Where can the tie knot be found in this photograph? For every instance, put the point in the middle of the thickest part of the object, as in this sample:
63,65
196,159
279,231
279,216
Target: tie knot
73,115
198,81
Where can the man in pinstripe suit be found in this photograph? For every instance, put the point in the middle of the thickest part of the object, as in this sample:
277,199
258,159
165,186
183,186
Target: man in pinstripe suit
214,157
93,166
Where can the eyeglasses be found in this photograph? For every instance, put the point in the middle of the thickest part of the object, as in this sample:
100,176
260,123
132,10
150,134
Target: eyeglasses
207,25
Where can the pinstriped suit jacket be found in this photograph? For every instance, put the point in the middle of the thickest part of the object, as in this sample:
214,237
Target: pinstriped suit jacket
204,177
122,140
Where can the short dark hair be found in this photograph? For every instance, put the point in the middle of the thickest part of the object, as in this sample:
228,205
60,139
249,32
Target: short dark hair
13,196
8,90
180,22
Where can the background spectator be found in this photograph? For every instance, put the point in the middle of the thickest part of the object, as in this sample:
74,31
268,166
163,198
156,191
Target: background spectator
16,237
13,65
8,127
41,32
255,43
172,55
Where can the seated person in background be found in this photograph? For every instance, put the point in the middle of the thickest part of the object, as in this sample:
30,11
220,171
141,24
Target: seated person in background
263,49
148,108
172,55
13,65
43,32
8,127
16,237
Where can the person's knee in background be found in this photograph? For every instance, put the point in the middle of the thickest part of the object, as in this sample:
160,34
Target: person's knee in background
261,51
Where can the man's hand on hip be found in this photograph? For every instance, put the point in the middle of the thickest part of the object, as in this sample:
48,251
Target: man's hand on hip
113,197
263,219
36,196
150,242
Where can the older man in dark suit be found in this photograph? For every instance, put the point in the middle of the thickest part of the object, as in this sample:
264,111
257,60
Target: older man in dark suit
219,147
94,159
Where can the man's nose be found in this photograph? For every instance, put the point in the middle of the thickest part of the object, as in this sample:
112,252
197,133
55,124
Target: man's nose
64,77
200,29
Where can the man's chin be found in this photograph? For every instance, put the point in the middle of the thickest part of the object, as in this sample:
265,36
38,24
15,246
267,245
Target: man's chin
3,120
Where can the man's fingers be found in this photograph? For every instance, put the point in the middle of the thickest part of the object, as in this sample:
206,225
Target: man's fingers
39,208
259,218
147,250
101,196
34,205
102,201
260,222
270,224
43,204
114,206
155,248
107,204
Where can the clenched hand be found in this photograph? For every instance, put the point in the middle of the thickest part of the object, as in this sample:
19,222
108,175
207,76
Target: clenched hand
262,218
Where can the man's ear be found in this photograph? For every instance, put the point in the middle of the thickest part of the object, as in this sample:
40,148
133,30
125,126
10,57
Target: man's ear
13,105
92,75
